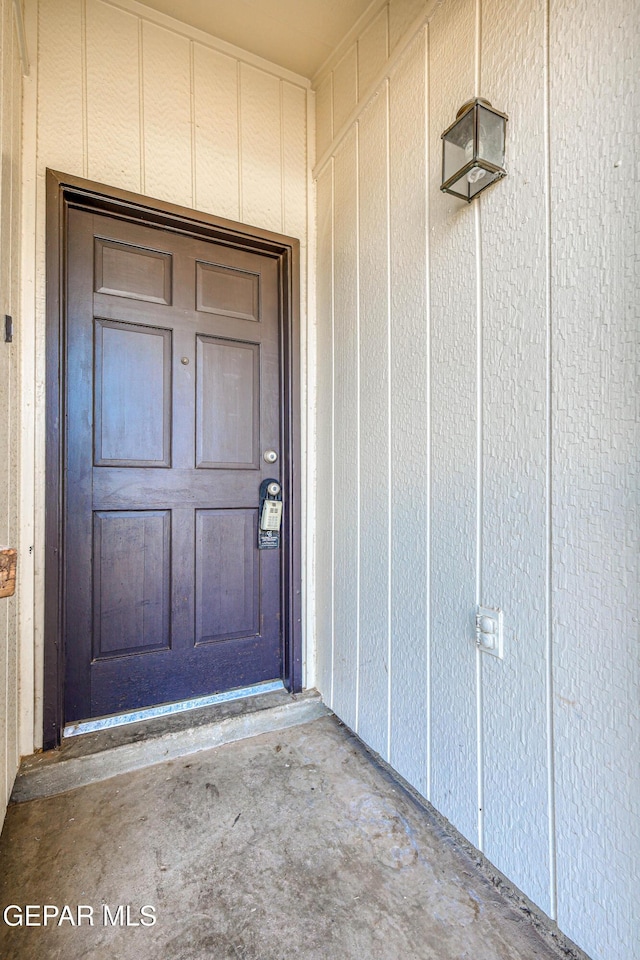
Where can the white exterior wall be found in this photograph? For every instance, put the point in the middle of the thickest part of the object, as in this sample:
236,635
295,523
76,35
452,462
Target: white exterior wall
475,417
136,100
10,119
477,436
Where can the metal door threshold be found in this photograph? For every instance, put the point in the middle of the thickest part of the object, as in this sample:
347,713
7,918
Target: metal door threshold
165,709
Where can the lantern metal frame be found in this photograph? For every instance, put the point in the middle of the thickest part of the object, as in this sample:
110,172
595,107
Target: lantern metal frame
475,160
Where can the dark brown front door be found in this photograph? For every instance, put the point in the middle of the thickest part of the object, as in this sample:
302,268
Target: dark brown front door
172,398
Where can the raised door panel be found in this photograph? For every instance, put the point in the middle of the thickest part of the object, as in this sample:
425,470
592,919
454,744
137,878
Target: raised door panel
138,273
131,582
227,575
228,404
227,291
132,395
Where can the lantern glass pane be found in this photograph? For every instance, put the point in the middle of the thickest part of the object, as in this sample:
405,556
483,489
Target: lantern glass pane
458,145
460,188
491,129
478,179
472,182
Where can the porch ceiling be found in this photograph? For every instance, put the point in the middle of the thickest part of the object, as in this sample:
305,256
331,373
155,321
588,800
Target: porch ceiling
297,34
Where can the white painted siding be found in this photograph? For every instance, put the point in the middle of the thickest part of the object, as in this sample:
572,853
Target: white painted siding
165,104
454,427
493,440
372,50
595,265
345,87
350,72
324,539
409,435
114,128
345,434
138,101
476,418
515,470
374,452
10,116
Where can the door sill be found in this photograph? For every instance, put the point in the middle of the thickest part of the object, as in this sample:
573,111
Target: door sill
166,709
81,761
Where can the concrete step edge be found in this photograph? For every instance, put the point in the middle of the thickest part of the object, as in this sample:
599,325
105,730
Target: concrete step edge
81,771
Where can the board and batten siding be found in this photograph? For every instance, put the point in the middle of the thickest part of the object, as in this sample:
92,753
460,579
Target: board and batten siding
136,100
10,235
478,440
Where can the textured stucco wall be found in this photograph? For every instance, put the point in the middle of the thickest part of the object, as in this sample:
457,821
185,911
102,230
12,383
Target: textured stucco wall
478,441
10,117
136,100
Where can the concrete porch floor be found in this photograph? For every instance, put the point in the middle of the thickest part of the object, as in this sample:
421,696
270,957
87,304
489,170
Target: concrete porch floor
293,843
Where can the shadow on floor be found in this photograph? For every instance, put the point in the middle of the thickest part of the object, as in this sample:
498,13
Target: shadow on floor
289,844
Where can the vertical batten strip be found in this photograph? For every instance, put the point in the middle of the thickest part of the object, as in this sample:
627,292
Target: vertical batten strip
192,91
143,177
477,60
388,22
333,429
479,514
357,49
479,443
85,118
240,144
389,426
283,180
358,427
427,300
553,885
332,125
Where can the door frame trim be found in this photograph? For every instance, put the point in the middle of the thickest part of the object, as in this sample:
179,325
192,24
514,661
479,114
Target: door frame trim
64,192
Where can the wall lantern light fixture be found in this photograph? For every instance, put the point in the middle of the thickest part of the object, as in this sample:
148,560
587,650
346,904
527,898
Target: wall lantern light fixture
473,150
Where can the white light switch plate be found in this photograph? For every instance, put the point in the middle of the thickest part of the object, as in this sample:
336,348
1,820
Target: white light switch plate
489,631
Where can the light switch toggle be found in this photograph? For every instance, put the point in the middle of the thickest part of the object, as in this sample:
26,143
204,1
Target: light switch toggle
489,630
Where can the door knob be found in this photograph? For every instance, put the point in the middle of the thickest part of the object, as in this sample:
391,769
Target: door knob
270,456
